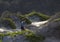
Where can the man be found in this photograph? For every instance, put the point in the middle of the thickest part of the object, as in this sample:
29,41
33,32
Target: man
22,25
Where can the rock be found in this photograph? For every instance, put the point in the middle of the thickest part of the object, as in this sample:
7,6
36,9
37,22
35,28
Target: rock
51,28
7,39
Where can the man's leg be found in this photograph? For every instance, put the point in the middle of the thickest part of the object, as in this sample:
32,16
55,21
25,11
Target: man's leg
22,28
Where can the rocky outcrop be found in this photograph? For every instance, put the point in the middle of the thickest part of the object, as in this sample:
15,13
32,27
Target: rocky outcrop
52,27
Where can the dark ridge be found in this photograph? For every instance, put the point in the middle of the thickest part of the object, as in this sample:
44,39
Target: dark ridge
48,7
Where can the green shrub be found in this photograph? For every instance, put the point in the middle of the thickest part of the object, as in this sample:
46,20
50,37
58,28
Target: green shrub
12,34
0,40
42,16
56,20
28,21
10,22
22,17
30,36
30,14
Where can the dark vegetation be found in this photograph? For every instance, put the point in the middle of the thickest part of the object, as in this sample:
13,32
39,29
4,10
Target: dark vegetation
42,16
8,22
25,19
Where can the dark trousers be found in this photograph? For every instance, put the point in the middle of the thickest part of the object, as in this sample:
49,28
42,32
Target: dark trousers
22,28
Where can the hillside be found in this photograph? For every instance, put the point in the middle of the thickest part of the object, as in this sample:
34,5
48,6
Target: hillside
40,20
46,30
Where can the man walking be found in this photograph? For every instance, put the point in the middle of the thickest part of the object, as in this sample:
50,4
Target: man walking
22,25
